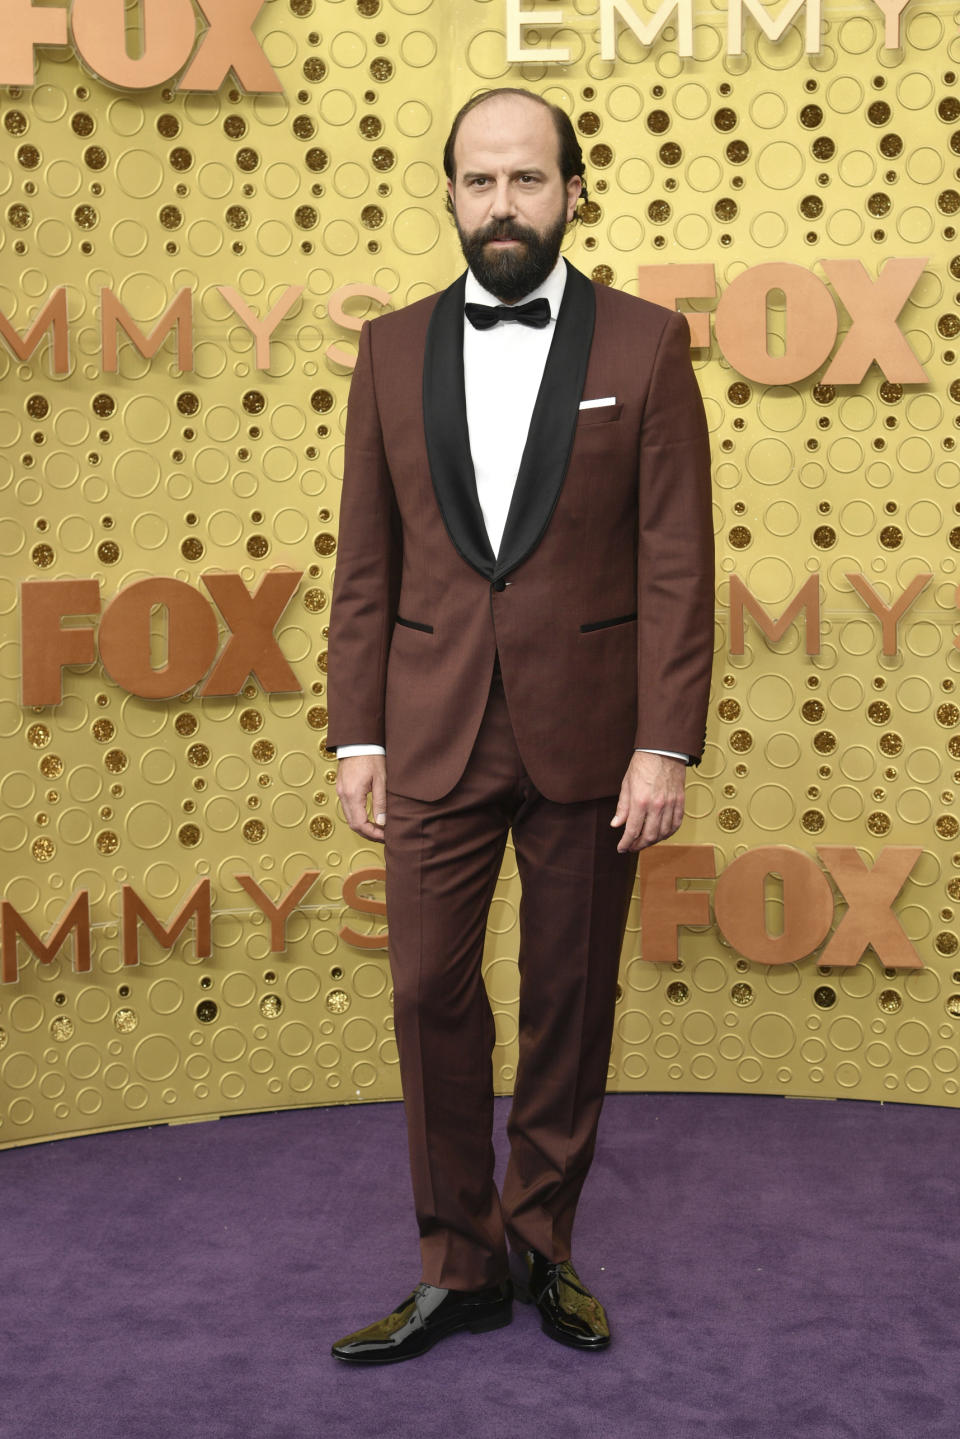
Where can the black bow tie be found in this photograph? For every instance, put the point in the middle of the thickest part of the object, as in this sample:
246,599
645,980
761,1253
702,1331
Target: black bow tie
535,313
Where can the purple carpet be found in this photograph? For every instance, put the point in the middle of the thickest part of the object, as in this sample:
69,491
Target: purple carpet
772,1268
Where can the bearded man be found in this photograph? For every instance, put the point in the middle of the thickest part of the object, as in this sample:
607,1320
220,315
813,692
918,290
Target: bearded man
521,641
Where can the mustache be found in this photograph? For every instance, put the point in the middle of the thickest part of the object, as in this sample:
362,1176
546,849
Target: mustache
505,230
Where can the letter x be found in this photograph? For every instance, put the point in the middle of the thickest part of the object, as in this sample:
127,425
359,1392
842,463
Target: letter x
869,894
252,647
230,44
874,334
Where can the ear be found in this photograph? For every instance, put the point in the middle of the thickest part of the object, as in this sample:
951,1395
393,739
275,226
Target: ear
574,187
450,192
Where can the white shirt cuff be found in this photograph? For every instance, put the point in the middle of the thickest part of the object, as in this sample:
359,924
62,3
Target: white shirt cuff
670,753
344,751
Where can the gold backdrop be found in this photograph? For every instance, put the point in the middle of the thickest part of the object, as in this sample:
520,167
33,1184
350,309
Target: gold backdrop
726,161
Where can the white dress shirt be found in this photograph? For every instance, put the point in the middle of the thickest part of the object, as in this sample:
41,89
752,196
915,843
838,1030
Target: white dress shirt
502,370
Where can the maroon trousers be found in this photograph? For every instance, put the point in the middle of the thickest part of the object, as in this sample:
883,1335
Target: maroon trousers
442,862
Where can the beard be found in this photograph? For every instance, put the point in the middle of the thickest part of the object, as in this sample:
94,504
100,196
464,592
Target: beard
511,274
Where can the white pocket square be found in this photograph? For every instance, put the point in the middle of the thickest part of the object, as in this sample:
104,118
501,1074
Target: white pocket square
597,404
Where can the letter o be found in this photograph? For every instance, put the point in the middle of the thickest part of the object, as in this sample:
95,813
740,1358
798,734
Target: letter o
741,323
193,638
169,33
739,903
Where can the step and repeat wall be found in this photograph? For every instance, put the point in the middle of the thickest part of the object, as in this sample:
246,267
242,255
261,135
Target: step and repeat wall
201,201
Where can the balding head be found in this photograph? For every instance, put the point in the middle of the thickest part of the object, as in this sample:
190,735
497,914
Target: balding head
569,154
507,190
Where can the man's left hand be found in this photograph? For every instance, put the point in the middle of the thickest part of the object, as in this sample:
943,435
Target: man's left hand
650,806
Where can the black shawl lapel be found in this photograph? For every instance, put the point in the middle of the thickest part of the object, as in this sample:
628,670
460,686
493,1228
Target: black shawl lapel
546,455
447,436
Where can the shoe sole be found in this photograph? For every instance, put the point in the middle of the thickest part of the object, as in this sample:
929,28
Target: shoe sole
476,1326
572,1343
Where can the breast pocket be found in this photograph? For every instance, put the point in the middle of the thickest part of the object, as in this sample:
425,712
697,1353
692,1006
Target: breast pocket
602,415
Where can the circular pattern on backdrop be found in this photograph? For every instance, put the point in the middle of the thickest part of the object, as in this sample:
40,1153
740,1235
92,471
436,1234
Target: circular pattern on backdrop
230,467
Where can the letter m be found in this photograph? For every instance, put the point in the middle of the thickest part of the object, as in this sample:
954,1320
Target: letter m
75,918
772,27
196,904
53,317
806,599
178,314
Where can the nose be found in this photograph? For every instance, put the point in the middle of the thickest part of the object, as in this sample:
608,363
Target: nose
502,206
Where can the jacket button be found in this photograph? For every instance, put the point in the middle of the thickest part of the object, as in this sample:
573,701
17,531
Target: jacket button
499,585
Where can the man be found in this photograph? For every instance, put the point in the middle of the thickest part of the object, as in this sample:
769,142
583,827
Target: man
521,640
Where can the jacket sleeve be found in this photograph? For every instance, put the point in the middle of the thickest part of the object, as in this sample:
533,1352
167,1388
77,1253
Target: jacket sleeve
675,571
366,583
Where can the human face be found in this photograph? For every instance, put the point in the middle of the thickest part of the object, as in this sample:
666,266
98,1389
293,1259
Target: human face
510,201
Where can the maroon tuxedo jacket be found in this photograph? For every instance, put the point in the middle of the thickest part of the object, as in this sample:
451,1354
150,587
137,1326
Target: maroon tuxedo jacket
600,602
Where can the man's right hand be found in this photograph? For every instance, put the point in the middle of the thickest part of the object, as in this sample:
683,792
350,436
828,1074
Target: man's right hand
358,776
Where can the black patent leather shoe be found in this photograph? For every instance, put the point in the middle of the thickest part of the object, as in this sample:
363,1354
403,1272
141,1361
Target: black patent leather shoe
569,1313
427,1315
